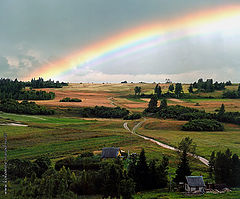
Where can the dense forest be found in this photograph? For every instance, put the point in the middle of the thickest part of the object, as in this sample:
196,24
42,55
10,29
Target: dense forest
86,175
24,107
10,89
40,83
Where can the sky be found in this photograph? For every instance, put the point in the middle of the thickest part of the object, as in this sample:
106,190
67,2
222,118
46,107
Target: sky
112,41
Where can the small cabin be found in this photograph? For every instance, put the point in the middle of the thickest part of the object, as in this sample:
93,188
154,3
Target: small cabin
111,152
195,183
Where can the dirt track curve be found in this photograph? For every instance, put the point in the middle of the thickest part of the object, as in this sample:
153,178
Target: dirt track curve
133,131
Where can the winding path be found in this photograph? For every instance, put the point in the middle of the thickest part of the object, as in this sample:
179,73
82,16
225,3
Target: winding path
133,131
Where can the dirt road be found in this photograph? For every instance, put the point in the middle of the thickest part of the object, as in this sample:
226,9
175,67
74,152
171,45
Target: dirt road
133,131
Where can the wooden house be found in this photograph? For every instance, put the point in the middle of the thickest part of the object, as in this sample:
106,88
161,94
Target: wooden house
195,183
111,152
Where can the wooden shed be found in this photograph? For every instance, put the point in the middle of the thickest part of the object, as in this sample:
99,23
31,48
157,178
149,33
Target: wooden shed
111,152
195,183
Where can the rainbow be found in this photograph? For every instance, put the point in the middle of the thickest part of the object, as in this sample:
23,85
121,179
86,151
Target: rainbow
142,38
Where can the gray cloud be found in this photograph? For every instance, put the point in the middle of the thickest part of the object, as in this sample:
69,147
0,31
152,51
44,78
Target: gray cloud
36,32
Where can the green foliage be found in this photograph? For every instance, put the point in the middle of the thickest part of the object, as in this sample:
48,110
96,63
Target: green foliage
137,90
104,112
133,116
158,91
185,147
24,107
82,162
208,85
152,105
40,83
20,168
148,176
178,89
171,88
67,99
226,168
14,90
190,89
163,104
175,112
203,125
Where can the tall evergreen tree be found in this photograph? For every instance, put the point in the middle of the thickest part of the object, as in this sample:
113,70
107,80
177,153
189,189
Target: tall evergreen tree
238,90
221,112
152,105
178,89
142,173
190,89
183,169
211,164
159,92
171,88
163,104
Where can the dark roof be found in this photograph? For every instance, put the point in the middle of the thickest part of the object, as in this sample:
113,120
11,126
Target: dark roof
110,152
195,181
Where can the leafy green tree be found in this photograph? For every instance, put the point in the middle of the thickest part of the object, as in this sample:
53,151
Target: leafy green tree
178,89
171,88
111,181
127,187
187,145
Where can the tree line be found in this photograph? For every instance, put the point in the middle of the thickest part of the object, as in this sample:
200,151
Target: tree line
24,107
41,83
10,89
176,91
209,86
186,113
224,168
110,178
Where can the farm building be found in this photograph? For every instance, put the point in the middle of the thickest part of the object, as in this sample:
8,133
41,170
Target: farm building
111,152
195,183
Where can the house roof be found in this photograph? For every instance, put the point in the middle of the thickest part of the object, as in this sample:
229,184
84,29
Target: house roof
110,152
195,181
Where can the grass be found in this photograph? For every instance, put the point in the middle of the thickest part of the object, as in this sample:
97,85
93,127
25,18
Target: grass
168,131
164,194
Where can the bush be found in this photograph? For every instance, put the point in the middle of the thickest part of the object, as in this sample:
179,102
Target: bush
175,112
67,99
25,107
104,112
203,125
134,116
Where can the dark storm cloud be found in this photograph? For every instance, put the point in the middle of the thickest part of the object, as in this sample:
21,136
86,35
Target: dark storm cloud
57,28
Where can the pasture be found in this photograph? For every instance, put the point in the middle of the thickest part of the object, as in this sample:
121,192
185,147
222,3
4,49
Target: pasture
112,95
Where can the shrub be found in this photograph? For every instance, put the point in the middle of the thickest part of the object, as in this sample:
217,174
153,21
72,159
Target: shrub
134,116
67,99
104,112
203,125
